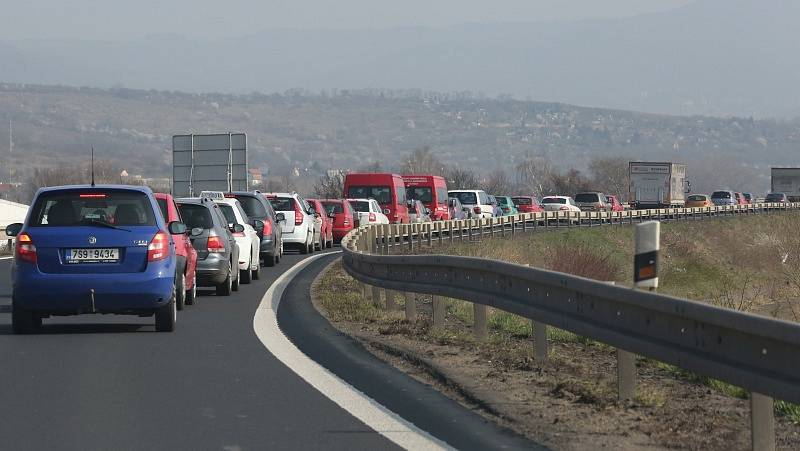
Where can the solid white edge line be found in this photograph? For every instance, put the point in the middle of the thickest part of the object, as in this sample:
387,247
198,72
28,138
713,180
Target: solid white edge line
361,406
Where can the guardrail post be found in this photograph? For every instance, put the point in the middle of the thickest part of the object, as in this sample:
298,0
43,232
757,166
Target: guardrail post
469,230
410,238
429,226
524,223
540,345
479,324
762,422
439,227
514,226
411,307
450,231
438,311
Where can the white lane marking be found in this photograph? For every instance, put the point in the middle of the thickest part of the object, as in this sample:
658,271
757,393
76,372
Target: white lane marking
361,406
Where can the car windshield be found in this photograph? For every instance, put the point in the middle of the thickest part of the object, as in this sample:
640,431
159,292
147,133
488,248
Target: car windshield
421,193
333,207
554,200
282,203
227,211
77,208
196,216
466,198
587,197
252,207
522,200
383,194
721,195
360,205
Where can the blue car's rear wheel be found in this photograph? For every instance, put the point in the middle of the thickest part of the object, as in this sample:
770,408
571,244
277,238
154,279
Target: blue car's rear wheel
167,315
24,321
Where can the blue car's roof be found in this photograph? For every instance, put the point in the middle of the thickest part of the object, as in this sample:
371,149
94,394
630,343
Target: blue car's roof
142,189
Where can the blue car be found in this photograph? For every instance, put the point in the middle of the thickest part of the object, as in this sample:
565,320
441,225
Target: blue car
93,249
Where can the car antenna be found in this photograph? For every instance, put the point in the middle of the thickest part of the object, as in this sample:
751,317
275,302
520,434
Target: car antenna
92,166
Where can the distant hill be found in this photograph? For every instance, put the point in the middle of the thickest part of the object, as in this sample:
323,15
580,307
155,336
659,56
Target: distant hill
349,129
717,57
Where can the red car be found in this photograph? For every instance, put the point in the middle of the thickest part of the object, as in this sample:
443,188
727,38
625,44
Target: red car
740,199
186,287
527,204
326,231
615,203
344,217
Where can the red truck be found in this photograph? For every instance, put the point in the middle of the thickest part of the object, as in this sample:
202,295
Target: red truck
431,190
186,286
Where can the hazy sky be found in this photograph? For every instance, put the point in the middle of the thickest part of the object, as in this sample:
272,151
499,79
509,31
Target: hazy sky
120,19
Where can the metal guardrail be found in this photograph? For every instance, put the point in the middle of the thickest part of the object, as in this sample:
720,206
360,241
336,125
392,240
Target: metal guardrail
757,353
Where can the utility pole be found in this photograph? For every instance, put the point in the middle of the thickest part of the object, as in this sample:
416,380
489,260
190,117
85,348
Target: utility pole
10,152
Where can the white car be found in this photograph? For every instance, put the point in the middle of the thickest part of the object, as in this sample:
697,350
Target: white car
369,211
477,201
248,241
303,226
559,203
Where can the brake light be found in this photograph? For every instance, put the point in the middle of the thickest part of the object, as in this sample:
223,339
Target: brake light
372,217
26,250
158,249
92,196
298,215
564,208
477,210
215,245
230,196
267,230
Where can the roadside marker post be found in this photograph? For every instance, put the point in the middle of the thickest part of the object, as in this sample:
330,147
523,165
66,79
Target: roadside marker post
645,277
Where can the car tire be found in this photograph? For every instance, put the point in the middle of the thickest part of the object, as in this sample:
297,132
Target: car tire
257,272
237,281
24,321
180,291
270,260
167,315
191,295
246,275
304,248
226,287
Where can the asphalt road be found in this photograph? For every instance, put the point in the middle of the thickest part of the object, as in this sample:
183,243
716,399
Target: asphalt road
111,382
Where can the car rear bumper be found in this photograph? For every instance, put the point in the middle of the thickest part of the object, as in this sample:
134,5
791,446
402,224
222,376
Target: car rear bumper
267,246
212,270
298,236
95,293
339,233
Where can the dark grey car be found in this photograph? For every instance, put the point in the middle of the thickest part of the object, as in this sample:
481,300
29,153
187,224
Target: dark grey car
217,252
592,201
259,208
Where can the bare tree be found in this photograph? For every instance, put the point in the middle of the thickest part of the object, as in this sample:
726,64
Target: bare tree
570,182
610,175
422,161
458,178
374,166
330,186
497,182
535,177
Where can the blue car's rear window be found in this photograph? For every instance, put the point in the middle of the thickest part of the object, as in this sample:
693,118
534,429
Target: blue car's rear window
82,207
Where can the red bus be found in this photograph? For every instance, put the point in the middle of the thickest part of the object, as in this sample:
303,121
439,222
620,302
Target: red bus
431,190
388,189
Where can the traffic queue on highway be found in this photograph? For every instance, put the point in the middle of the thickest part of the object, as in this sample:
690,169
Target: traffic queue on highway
126,250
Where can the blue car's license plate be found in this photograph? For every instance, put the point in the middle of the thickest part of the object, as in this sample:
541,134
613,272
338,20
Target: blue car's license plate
98,255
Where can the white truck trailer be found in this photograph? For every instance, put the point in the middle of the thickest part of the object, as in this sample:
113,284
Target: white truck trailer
657,185
787,181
